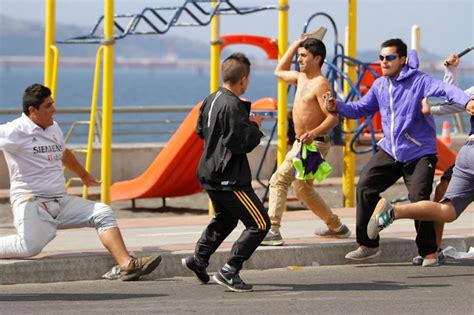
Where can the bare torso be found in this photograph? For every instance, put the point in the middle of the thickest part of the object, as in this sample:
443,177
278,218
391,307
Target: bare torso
307,112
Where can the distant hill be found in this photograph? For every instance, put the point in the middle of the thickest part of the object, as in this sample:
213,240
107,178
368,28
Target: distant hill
25,38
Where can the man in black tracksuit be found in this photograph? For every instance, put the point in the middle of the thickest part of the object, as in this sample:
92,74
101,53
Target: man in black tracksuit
229,133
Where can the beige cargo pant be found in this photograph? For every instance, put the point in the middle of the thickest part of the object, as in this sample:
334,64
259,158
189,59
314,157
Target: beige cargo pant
304,190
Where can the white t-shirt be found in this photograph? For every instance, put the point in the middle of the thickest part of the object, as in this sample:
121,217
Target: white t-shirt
33,156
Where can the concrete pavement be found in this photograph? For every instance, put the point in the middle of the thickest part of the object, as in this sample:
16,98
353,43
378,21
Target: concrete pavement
77,254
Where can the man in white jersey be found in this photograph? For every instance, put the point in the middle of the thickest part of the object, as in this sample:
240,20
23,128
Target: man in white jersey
35,154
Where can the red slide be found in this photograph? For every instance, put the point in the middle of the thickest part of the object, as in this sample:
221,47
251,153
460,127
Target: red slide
173,172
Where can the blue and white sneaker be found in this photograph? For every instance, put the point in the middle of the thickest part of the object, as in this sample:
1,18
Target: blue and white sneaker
381,218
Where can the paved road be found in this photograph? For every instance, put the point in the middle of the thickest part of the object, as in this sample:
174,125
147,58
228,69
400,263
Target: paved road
349,289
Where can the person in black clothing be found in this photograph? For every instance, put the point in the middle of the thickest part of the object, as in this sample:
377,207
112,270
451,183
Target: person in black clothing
229,132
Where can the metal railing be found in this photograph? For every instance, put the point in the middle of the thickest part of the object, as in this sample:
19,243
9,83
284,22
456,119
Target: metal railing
131,124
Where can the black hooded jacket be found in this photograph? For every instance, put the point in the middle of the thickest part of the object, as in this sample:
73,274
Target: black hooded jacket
228,136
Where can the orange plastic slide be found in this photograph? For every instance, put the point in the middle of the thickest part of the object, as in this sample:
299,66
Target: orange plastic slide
173,172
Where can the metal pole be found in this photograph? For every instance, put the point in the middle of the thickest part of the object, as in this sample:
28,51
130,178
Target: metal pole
49,40
415,40
215,67
282,86
107,101
215,52
92,119
349,157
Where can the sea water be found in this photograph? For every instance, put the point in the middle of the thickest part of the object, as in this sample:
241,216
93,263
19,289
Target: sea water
140,87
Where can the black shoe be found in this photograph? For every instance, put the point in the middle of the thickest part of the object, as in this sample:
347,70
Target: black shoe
200,273
232,281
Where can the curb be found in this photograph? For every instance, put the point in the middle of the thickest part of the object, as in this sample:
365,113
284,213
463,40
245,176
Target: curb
93,266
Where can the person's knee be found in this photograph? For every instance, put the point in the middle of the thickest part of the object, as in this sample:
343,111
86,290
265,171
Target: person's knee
302,188
29,248
103,218
449,212
278,180
363,185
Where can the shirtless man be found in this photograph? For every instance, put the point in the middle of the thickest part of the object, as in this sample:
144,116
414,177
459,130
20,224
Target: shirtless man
312,124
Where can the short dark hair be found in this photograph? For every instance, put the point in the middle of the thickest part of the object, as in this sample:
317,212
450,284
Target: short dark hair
235,67
397,43
315,47
34,96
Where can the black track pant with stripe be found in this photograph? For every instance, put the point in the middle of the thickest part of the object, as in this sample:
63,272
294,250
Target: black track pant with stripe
230,207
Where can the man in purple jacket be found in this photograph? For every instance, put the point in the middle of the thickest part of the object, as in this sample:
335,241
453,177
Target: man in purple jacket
408,148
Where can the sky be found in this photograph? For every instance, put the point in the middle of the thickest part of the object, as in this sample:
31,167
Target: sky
447,26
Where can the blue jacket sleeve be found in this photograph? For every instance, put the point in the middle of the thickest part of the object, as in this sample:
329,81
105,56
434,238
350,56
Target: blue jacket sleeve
366,106
434,87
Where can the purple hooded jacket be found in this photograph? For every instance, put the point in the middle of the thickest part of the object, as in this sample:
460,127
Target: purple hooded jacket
408,133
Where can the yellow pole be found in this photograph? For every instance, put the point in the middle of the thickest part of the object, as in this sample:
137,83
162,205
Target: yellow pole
215,52
215,66
54,71
49,40
282,86
415,40
107,101
95,95
349,157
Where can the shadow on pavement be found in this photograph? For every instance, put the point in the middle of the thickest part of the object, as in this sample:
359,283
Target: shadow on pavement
72,297
363,286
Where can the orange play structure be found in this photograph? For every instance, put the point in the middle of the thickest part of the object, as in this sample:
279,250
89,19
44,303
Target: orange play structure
173,172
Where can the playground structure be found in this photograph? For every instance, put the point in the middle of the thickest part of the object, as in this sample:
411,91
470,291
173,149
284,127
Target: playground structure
106,50
162,179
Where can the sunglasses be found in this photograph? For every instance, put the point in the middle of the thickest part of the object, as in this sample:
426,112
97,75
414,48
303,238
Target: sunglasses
388,57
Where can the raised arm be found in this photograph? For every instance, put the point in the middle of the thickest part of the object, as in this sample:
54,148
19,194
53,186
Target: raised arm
282,70
450,75
69,161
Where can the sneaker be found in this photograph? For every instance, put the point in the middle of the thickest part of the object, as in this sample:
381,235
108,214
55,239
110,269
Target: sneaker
418,260
272,239
342,232
381,218
431,260
231,280
363,252
138,267
200,272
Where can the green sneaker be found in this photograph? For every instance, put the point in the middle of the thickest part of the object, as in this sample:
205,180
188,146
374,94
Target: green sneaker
342,232
272,239
381,218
